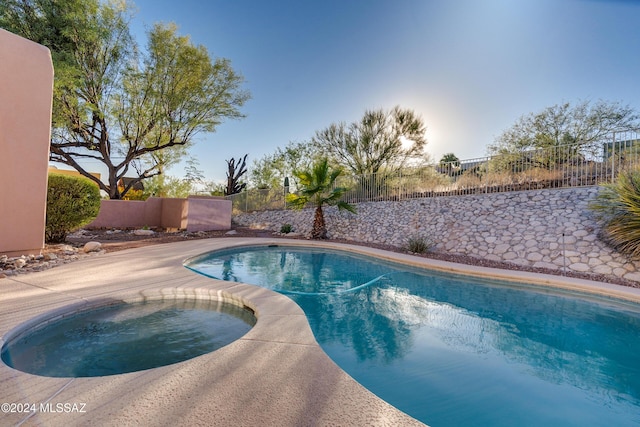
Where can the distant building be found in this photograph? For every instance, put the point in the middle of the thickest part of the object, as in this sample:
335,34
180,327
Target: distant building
462,166
124,181
53,169
465,165
620,147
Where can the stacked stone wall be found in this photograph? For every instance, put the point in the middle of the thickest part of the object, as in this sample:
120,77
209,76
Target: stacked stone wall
540,228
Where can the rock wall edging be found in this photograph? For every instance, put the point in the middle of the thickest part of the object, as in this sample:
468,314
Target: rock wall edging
551,228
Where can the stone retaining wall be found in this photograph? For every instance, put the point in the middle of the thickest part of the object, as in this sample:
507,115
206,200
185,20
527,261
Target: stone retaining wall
540,228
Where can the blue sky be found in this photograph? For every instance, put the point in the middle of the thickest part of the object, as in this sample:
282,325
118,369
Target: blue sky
470,68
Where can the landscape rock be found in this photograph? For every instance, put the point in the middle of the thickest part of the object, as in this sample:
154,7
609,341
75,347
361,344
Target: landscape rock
144,232
91,247
81,234
53,256
68,249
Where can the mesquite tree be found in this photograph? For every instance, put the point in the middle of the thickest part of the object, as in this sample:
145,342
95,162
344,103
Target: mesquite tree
135,111
381,141
566,125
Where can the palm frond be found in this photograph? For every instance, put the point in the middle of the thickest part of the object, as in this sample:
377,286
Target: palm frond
617,205
342,205
295,201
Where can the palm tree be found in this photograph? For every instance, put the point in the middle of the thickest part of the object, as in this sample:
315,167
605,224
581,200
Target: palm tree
450,164
317,186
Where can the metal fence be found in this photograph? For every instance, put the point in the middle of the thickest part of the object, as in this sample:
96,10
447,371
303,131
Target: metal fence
557,167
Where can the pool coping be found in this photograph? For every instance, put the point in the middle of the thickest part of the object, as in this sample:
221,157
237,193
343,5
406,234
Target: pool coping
276,374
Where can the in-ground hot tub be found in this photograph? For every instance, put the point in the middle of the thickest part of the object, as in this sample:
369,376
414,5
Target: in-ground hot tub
110,337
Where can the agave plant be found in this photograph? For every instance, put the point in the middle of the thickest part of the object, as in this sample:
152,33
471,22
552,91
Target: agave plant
617,205
317,186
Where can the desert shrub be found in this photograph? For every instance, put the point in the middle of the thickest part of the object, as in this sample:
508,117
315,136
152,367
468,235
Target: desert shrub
617,205
419,245
286,229
539,174
134,194
71,203
423,179
366,187
498,179
469,180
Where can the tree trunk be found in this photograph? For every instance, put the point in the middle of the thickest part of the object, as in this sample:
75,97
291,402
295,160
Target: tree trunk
114,192
319,230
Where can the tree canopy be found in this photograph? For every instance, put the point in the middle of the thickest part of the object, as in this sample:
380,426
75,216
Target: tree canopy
271,170
566,125
381,141
450,164
133,111
450,158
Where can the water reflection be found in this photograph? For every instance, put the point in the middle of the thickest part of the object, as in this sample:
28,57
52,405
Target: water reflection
408,327
562,339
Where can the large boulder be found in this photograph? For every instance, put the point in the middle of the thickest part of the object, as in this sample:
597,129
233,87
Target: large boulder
91,247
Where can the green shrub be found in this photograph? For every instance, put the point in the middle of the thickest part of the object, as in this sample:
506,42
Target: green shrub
617,205
71,203
419,245
286,229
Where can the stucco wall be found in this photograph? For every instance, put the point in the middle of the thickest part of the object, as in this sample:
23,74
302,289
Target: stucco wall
208,214
123,214
540,228
153,212
191,214
174,213
26,90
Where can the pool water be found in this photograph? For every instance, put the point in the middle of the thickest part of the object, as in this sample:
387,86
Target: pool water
453,350
122,338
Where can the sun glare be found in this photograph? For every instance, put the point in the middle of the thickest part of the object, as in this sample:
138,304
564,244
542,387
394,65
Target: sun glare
406,142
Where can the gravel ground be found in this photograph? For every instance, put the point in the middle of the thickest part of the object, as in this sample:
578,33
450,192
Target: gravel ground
116,240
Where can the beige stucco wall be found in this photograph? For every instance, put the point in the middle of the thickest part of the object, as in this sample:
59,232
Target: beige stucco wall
123,214
192,214
174,213
152,212
206,214
26,90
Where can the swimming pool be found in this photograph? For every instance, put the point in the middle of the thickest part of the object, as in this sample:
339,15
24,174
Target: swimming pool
455,350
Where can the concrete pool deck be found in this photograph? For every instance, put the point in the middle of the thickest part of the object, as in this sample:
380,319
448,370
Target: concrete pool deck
275,375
